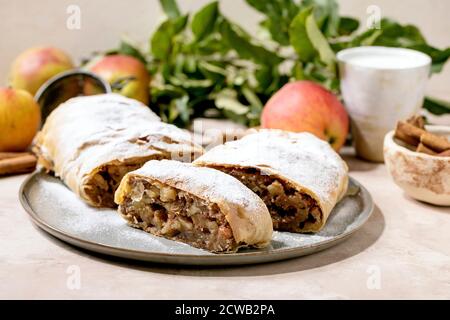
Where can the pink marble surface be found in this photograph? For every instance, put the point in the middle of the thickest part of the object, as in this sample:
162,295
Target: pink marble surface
402,252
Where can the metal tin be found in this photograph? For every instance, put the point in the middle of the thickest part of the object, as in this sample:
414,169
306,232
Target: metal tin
66,85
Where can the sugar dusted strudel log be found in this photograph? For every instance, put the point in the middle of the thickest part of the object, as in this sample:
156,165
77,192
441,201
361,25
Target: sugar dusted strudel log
199,206
299,177
92,142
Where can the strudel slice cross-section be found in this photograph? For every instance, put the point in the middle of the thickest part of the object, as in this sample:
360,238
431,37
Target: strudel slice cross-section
299,177
199,206
92,142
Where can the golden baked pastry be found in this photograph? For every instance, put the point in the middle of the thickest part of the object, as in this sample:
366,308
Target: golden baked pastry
299,176
199,206
92,142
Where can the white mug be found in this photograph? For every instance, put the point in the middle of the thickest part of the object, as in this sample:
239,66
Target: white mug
380,86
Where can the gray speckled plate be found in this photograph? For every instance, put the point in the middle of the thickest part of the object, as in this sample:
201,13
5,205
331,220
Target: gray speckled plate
58,211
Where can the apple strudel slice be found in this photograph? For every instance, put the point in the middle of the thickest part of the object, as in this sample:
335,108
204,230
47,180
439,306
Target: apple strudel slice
92,142
199,206
299,176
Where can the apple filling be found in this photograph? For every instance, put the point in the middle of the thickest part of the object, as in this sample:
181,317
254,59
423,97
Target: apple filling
290,209
176,215
102,185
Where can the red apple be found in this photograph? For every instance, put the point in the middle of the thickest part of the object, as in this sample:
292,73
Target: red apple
307,106
113,68
36,65
20,117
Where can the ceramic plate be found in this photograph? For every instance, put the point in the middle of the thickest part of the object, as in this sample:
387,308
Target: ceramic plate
58,211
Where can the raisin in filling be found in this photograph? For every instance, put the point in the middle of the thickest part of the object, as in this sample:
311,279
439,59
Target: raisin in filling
290,209
177,215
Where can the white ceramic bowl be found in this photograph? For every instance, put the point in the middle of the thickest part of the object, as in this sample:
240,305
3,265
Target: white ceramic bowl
421,176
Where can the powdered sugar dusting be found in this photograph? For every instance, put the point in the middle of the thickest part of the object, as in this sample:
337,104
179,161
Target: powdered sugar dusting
87,132
299,157
60,208
65,211
207,183
246,213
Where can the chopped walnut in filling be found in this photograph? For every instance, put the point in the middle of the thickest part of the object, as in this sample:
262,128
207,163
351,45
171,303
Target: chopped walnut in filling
290,209
177,215
102,185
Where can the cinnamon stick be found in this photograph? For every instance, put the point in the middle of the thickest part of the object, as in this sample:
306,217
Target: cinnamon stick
435,142
417,121
9,155
444,154
413,133
400,135
408,133
22,164
424,149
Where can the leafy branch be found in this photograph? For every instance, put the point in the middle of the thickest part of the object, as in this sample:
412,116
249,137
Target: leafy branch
204,64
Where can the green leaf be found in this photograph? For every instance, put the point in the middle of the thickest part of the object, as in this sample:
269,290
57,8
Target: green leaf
166,91
190,65
393,34
347,26
275,8
162,40
291,8
279,14
129,50
212,44
255,103
397,35
212,71
298,73
366,38
299,38
439,57
326,13
319,42
372,38
321,74
256,106
235,77
278,30
227,100
170,8
239,40
183,81
204,20
179,108
183,63
261,6
436,106
264,76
